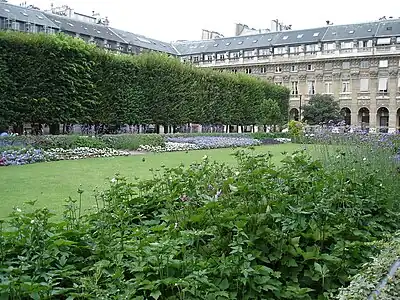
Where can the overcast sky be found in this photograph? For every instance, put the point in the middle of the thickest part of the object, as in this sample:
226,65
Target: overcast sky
170,20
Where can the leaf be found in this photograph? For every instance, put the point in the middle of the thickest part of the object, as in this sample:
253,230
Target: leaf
155,294
318,267
233,188
224,285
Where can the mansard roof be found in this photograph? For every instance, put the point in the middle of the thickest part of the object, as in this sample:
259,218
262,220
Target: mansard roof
22,14
144,42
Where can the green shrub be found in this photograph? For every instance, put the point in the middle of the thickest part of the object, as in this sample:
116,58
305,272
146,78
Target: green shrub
368,281
132,141
295,129
207,231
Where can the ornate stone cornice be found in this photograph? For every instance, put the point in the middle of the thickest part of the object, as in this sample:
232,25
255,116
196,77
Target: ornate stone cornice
320,76
302,77
393,72
336,75
354,73
373,73
286,78
270,78
328,77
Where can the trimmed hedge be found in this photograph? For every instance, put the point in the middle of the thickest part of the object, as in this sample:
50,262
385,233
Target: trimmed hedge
55,79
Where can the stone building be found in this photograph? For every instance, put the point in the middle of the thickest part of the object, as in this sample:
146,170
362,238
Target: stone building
358,64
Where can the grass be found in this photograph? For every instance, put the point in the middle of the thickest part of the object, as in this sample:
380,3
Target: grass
52,183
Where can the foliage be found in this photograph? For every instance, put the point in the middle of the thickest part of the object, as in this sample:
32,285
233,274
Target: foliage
121,142
207,231
270,113
368,282
26,156
321,109
55,79
295,129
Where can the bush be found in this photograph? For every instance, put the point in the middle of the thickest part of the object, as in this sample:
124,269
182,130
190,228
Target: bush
295,130
207,231
132,141
379,279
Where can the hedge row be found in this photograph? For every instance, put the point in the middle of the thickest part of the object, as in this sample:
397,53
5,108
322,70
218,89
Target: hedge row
55,79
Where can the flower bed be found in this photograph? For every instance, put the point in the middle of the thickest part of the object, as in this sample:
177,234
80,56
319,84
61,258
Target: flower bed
169,147
211,142
29,155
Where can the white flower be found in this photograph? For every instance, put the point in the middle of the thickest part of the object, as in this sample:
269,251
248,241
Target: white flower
364,159
18,210
113,180
205,157
32,221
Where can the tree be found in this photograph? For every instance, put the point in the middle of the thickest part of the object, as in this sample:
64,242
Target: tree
321,109
270,113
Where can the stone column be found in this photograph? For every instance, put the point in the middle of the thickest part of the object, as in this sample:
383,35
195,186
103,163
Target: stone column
392,88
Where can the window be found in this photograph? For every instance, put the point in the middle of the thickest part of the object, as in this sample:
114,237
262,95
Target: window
398,40
345,87
278,69
330,46
293,68
312,48
316,34
195,58
263,52
346,45
278,82
299,36
234,70
263,70
285,37
365,44
280,50
310,67
328,87
383,85
364,84
384,41
295,87
235,55
398,85
311,87
247,70
383,64
364,64
295,50
209,57
248,54
220,56
328,66
346,65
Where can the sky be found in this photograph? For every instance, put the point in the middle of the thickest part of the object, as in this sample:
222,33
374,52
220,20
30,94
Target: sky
172,20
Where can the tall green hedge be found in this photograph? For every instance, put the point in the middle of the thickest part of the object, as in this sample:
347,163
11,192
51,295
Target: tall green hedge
55,79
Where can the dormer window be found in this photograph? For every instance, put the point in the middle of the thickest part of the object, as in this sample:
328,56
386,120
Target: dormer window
299,36
316,34
285,37
351,31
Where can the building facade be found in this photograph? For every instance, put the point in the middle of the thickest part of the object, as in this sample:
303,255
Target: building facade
358,64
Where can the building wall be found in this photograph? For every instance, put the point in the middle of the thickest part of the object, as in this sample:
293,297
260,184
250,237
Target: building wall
338,74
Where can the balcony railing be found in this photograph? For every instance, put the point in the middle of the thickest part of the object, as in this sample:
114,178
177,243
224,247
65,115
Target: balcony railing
351,52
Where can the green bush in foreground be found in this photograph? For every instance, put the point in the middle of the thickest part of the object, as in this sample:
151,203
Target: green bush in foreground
208,231
368,282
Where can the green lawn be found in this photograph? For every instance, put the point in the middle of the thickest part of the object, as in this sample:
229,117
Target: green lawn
51,183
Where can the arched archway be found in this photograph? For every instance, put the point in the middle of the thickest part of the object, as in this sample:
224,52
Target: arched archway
398,121
363,118
346,113
294,114
382,118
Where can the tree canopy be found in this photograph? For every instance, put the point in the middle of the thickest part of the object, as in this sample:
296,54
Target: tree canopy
321,109
56,79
